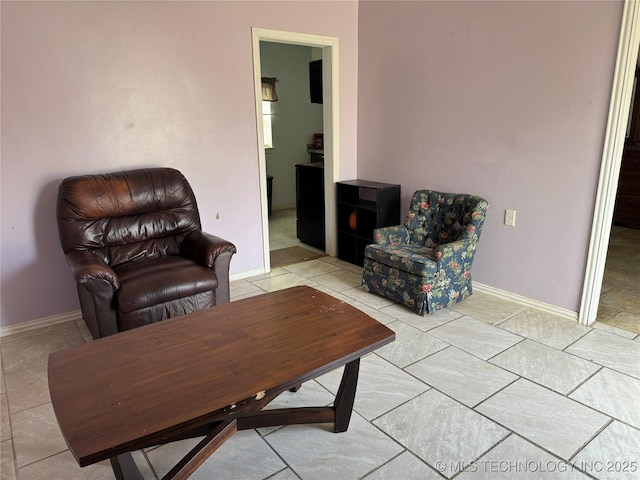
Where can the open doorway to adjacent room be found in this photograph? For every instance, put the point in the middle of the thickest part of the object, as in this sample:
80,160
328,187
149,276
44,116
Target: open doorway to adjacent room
610,294
620,296
297,144
292,119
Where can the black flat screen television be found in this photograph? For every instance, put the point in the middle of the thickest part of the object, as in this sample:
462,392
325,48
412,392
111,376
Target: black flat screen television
315,81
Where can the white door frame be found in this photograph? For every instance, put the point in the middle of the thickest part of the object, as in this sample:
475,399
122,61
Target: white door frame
611,160
330,60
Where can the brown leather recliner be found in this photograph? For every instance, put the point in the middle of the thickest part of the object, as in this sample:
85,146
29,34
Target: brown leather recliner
134,243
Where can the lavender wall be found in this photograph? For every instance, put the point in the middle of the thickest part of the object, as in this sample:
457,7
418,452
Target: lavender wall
103,86
507,100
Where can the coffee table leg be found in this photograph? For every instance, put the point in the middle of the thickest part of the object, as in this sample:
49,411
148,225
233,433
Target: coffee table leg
125,468
346,395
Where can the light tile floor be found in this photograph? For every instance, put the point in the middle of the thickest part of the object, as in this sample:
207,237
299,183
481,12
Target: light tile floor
507,392
486,389
282,229
620,297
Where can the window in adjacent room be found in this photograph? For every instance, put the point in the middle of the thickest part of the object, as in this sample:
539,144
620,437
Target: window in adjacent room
267,116
269,95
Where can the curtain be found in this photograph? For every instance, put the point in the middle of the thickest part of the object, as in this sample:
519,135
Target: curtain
269,93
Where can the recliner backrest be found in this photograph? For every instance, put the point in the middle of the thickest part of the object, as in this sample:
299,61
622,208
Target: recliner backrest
436,217
125,216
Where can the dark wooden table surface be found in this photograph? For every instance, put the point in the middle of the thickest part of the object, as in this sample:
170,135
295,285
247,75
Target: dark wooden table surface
149,385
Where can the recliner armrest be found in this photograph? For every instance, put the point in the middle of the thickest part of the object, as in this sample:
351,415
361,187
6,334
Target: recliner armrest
394,235
204,248
87,266
212,252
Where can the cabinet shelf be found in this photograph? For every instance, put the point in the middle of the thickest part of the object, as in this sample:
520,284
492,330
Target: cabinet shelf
363,206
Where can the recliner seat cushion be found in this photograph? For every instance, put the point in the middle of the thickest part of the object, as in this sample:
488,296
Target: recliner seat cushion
164,311
155,281
414,259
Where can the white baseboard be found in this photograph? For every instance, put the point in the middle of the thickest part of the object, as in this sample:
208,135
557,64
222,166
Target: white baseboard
40,322
77,315
529,302
246,274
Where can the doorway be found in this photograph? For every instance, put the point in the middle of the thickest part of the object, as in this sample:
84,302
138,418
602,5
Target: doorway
329,55
620,295
616,130
295,169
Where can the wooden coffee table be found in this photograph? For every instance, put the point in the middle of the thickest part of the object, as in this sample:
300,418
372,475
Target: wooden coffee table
209,374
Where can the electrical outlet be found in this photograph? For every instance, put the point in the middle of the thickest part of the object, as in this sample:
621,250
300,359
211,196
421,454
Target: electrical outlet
510,218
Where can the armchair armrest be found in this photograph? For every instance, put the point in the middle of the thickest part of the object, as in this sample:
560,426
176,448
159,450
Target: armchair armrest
213,252
394,235
456,257
203,248
87,267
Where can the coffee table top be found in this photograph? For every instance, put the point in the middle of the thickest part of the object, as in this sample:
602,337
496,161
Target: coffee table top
138,385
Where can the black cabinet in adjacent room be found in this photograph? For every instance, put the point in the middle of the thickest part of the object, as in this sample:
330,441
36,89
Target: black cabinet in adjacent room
363,206
310,204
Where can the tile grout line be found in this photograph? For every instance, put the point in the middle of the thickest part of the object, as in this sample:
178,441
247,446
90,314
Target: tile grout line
405,449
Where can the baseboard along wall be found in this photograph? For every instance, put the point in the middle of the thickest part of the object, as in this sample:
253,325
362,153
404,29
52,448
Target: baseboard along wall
479,287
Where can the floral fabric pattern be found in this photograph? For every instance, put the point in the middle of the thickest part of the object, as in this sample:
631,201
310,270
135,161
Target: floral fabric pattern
426,262
410,258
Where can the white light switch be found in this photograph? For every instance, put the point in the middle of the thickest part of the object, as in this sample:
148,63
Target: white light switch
510,218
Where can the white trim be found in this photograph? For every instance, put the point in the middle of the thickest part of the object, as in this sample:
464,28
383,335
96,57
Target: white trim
40,322
247,274
611,159
76,315
529,302
330,60
330,119
262,162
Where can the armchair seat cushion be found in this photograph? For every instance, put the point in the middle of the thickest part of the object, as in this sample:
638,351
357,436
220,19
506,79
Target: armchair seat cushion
414,259
154,281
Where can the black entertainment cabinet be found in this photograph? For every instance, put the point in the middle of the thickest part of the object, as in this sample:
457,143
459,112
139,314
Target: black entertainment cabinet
310,204
363,206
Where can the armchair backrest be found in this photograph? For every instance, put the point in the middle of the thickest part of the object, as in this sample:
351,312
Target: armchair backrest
436,218
126,215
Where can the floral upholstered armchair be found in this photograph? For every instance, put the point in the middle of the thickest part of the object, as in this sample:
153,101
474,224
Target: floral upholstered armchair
425,264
